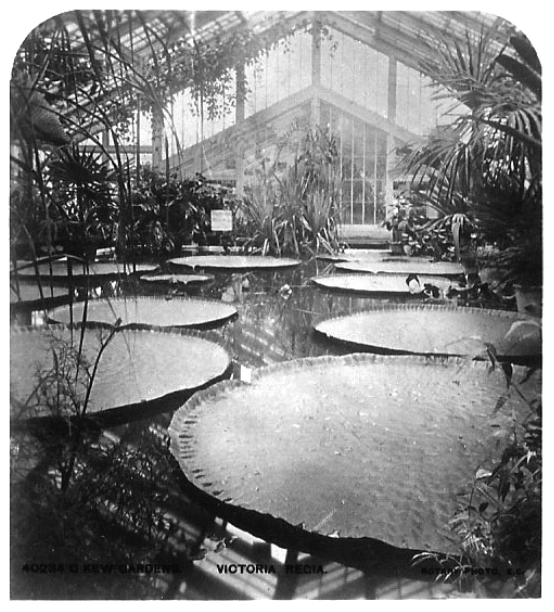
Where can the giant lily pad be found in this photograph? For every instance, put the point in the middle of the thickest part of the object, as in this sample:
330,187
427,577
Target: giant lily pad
404,266
356,255
148,311
30,293
137,367
350,447
438,330
381,284
111,269
174,280
237,263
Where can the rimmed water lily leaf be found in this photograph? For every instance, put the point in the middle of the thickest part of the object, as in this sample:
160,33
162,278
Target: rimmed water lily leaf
381,284
439,330
234,262
25,292
136,368
352,447
177,279
356,255
153,311
407,266
59,269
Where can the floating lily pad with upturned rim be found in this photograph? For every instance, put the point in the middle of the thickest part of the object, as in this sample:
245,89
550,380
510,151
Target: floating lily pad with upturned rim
356,255
379,284
178,279
139,369
352,447
29,294
435,330
236,263
105,269
408,266
148,311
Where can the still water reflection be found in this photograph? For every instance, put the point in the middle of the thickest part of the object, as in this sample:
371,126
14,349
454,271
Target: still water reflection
277,312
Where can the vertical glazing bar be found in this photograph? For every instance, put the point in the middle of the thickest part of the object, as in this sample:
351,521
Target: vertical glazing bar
240,113
363,170
352,158
316,72
137,139
375,147
420,126
388,145
341,190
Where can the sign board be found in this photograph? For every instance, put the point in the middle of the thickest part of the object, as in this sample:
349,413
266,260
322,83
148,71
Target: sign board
222,220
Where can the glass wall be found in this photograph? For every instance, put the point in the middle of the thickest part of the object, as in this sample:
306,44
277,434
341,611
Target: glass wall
279,73
362,155
355,70
420,104
193,124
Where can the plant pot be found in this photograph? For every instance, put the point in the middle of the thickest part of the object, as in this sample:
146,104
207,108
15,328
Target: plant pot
529,300
200,238
213,238
397,248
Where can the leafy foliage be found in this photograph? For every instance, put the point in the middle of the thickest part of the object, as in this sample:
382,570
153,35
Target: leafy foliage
80,497
487,163
84,74
109,514
498,523
82,192
169,212
293,210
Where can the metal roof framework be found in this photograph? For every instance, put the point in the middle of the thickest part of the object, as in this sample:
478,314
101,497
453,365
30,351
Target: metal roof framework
142,37
139,33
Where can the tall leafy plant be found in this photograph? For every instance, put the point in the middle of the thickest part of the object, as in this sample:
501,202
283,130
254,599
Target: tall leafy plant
484,170
82,188
292,210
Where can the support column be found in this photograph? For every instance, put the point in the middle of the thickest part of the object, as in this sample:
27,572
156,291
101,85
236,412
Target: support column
316,71
390,144
157,138
239,120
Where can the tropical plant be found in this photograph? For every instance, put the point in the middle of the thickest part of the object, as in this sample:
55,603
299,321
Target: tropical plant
498,521
483,170
110,514
168,212
259,216
79,496
499,524
82,189
85,75
292,210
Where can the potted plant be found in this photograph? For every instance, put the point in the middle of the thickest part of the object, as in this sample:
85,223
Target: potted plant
396,222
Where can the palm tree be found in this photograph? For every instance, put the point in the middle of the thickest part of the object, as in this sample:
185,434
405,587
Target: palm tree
483,172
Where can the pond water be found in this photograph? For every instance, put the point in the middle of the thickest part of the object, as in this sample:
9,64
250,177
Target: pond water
277,311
